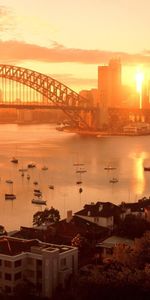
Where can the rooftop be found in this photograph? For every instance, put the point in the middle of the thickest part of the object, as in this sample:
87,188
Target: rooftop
115,240
13,246
100,209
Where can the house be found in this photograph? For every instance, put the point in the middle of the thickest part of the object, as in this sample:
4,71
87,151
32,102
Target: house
68,228
43,265
106,247
105,214
139,209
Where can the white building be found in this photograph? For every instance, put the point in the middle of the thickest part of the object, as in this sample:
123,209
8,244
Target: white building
44,265
100,213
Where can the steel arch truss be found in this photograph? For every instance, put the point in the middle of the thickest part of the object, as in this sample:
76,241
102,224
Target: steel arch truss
53,91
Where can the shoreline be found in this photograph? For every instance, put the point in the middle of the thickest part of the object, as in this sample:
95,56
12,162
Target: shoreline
99,134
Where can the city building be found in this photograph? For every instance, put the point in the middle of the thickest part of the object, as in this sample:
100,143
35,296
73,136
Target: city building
109,84
45,266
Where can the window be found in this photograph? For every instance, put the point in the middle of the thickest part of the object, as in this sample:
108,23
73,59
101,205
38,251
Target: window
18,275
7,276
18,263
7,263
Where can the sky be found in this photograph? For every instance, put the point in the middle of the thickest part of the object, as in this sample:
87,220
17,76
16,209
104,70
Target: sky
69,39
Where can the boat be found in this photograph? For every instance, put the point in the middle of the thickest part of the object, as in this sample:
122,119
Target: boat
9,181
113,180
39,201
80,190
44,168
79,182
35,183
23,170
14,160
31,165
78,164
109,168
10,196
81,171
51,187
37,193
146,168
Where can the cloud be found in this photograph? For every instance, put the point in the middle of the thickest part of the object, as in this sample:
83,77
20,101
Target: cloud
6,19
70,80
19,51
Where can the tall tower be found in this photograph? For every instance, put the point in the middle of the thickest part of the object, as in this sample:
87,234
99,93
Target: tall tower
115,82
109,84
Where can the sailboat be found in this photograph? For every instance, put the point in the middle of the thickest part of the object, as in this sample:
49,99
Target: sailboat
14,160
10,195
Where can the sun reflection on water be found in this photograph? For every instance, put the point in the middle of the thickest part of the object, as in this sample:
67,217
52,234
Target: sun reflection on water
138,171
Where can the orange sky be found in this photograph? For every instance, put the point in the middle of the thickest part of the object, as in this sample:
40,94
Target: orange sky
68,39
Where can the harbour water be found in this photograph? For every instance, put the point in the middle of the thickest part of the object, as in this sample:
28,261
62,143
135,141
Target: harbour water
58,150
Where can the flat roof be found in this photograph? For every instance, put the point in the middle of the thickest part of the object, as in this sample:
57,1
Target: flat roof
13,246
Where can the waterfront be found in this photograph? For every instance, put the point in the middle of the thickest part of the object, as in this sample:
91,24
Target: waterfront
43,145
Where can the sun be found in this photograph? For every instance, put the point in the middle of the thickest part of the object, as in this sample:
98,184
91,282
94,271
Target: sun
139,80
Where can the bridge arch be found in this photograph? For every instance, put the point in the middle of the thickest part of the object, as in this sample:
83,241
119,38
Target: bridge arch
52,90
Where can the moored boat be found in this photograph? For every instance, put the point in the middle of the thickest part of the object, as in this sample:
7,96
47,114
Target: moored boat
14,160
146,168
113,180
39,201
44,168
10,196
51,187
9,181
31,165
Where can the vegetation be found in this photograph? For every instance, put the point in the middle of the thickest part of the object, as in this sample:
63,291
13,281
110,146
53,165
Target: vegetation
133,227
47,216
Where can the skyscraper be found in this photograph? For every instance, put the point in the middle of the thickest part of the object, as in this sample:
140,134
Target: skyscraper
109,84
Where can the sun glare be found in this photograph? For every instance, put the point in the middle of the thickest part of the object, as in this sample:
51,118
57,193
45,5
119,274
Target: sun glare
139,81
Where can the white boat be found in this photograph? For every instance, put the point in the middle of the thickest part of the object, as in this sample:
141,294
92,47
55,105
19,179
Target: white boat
9,181
44,168
39,201
113,180
109,168
14,160
10,196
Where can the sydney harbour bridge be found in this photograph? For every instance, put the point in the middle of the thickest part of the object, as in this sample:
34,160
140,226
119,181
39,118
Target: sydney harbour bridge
22,88
25,89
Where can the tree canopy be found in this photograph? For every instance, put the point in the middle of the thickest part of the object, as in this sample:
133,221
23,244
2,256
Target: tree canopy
46,217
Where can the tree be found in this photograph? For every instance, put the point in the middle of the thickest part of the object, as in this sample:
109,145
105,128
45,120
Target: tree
46,217
133,226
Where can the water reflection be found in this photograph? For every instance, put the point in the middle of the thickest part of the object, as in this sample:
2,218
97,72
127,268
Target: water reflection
138,172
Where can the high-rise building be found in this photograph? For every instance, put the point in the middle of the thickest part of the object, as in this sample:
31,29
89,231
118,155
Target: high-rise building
109,84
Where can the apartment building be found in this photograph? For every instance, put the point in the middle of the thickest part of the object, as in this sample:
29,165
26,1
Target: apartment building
45,266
